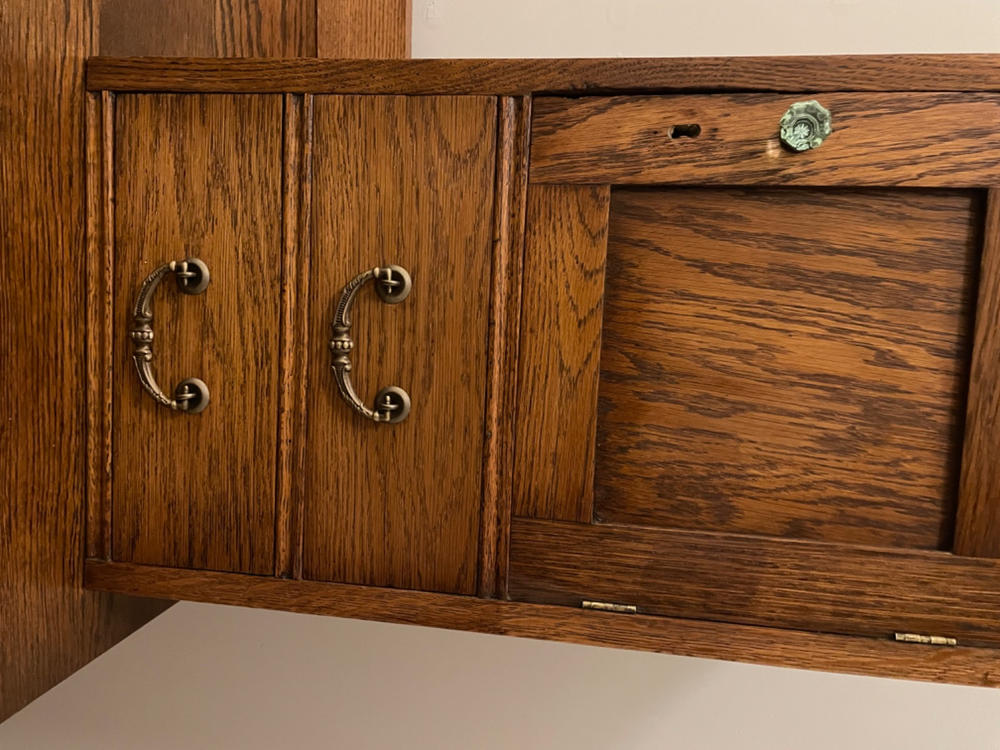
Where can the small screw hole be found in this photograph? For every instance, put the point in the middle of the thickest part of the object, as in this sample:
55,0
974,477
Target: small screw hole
685,131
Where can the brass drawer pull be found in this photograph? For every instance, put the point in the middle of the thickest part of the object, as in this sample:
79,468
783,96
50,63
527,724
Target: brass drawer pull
392,284
190,395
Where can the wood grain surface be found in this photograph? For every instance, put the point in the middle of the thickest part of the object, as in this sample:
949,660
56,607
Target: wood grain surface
409,181
211,28
363,28
513,77
807,586
977,529
787,362
713,640
199,176
292,406
513,122
932,140
49,626
563,299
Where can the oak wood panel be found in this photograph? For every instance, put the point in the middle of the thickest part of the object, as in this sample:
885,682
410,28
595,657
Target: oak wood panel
941,139
505,319
790,648
239,28
408,181
977,529
513,77
563,293
199,176
49,625
363,28
787,362
757,581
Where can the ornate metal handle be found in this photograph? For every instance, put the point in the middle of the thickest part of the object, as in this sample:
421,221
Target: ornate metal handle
190,395
392,284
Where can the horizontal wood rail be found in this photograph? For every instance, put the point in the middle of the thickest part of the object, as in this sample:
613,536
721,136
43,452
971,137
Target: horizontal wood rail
788,648
752,580
693,74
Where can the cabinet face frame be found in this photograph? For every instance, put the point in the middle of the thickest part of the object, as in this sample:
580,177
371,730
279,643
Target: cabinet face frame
518,80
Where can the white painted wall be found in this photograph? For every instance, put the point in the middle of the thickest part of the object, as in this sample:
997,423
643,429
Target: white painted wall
203,676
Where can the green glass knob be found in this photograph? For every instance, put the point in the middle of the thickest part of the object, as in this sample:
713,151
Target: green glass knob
805,125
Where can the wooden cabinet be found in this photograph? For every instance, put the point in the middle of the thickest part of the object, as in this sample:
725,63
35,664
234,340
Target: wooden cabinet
762,361
672,383
286,203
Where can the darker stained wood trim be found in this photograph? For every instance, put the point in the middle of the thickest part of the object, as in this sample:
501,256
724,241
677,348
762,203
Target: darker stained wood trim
977,528
99,318
788,648
292,411
976,72
514,117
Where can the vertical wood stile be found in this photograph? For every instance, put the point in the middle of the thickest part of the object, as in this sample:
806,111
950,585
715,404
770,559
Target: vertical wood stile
514,116
566,233
294,302
298,487
100,249
977,527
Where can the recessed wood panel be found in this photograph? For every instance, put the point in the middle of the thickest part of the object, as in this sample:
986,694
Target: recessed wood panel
198,175
407,181
896,138
787,362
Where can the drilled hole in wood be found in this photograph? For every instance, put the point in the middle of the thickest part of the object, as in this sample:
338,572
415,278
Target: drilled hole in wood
685,131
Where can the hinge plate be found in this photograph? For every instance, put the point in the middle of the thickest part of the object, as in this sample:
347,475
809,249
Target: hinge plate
627,609
930,640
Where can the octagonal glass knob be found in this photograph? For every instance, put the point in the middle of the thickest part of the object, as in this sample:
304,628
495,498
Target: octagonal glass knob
805,125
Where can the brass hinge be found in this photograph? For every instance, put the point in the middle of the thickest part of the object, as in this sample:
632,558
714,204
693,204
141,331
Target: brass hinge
627,609
930,640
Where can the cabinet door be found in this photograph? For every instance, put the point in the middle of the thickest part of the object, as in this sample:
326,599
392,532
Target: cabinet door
406,181
197,176
744,370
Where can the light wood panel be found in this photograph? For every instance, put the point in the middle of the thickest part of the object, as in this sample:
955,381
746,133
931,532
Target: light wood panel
565,248
787,362
224,28
977,529
199,176
406,181
807,586
896,138
712,640
363,28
